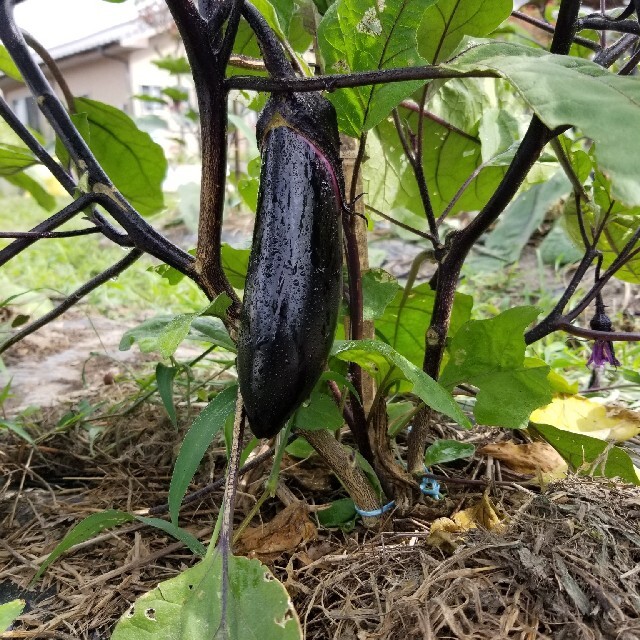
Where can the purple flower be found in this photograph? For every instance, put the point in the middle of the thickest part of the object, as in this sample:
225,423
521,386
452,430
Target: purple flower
602,355
603,352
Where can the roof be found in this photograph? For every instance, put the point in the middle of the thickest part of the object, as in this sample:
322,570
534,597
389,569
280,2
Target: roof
68,27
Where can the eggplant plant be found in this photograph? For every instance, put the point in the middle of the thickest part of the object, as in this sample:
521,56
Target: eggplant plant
455,107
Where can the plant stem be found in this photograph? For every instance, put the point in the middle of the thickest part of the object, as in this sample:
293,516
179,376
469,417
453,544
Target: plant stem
47,58
145,237
358,79
347,470
461,243
208,75
545,26
354,271
412,106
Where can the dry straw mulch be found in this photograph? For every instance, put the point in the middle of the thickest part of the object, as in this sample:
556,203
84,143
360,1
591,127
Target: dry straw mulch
567,566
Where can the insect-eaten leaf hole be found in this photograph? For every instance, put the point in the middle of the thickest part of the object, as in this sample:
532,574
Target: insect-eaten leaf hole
150,613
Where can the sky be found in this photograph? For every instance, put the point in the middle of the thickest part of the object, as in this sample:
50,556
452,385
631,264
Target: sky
54,22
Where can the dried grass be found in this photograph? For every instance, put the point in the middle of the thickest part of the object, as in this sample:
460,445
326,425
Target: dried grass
568,566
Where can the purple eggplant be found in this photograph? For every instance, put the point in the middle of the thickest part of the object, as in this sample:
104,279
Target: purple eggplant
294,279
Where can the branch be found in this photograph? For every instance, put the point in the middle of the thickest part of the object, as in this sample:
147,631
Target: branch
56,220
460,244
423,234
608,56
413,106
607,24
74,298
58,172
565,163
49,234
47,58
208,76
354,273
141,233
358,79
545,26
274,58
418,169
591,334
546,326
247,62
342,464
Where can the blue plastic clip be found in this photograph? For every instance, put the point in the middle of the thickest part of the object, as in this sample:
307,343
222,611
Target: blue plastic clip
430,487
376,512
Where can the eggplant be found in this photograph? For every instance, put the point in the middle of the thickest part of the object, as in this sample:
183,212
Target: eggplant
294,279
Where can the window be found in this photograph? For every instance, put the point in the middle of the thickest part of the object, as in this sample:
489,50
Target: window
27,112
151,92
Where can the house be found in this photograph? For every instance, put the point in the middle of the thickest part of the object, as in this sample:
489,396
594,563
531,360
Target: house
106,52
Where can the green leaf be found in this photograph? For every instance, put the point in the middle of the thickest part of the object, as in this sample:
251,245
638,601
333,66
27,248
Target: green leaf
399,413
9,611
189,540
557,247
448,159
8,66
249,184
175,65
132,160
277,13
85,530
378,289
18,429
14,158
175,93
498,131
490,355
300,448
33,187
212,330
318,412
164,379
148,333
235,263
589,456
143,97
622,223
518,222
359,35
445,24
404,323
341,514
442,451
604,106
376,356
189,606
558,383
173,334
218,306
196,442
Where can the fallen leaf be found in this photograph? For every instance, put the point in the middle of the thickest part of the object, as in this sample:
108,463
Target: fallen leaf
445,532
581,415
527,459
287,531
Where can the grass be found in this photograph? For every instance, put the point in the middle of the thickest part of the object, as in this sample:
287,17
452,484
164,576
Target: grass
51,269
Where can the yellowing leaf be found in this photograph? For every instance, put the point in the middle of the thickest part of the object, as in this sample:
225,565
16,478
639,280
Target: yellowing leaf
445,531
581,415
526,458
